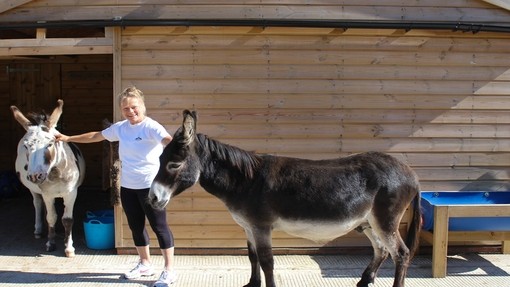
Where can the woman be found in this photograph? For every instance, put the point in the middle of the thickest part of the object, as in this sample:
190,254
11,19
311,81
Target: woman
141,141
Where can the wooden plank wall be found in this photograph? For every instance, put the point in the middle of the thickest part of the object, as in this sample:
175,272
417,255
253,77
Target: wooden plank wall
32,86
5,125
438,100
87,89
85,85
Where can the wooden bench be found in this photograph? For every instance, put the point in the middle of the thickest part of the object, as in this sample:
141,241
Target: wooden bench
441,235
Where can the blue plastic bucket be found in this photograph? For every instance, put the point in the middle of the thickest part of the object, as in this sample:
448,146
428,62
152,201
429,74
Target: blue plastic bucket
99,229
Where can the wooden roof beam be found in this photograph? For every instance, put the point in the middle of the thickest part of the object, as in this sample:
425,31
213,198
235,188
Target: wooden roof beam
57,46
7,5
43,46
505,4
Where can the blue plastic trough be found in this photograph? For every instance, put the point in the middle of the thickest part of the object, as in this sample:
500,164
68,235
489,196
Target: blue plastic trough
431,199
464,216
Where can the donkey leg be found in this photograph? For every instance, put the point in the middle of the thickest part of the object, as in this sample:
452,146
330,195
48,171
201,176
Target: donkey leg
401,256
51,218
390,237
39,210
68,239
380,254
67,222
262,237
255,266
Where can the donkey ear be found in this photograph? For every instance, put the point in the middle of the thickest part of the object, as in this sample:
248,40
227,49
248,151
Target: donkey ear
20,118
188,126
55,115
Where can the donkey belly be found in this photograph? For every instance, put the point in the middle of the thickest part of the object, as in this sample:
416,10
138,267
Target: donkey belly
318,231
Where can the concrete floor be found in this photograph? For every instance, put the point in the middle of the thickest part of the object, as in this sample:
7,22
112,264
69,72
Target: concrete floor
23,262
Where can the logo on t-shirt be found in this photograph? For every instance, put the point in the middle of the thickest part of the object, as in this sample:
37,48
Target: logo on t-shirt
138,139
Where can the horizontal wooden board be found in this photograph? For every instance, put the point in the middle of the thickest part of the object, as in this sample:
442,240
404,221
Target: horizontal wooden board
312,57
465,185
352,131
435,104
53,50
455,159
298,71
168,113
331,41
464,173
425,159
386,145
333,93
300,31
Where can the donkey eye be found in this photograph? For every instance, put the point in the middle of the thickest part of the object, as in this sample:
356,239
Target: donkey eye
173,165
27,145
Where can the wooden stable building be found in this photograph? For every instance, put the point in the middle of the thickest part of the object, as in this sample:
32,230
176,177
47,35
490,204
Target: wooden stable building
426,81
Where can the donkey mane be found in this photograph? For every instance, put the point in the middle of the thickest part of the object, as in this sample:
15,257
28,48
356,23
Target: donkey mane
244,161
37,119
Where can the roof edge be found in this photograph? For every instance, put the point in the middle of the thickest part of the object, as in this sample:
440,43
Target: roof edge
473,27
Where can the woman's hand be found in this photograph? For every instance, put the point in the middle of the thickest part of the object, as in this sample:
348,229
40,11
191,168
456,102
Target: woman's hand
61,137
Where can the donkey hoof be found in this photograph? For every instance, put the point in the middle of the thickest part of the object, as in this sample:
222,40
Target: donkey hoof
365,284
37,235
70,254
253,283
51,247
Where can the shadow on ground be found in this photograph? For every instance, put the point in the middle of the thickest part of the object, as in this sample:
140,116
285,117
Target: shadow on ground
17,224
462,264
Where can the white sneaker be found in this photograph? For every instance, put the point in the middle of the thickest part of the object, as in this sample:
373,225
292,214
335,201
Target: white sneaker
166,278
139,271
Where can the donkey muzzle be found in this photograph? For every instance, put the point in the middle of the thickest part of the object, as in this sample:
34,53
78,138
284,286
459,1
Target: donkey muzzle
36,178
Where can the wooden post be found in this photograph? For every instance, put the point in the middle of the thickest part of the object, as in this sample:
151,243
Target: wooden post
40,33
440,242
116,34
505,247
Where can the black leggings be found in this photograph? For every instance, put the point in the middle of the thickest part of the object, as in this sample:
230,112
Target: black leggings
136,208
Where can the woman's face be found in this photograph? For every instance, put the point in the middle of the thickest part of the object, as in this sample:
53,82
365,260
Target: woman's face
132,110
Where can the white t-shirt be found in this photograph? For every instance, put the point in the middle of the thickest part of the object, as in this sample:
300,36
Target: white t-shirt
139,150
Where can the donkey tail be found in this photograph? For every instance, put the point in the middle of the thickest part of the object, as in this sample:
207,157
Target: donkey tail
413,235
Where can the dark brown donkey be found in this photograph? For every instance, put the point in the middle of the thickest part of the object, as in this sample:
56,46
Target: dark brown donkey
319,200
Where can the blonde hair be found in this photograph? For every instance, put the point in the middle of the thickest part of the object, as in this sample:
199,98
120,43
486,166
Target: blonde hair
133,92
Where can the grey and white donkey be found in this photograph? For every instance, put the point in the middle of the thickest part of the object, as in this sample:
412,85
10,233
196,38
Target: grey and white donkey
50,170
